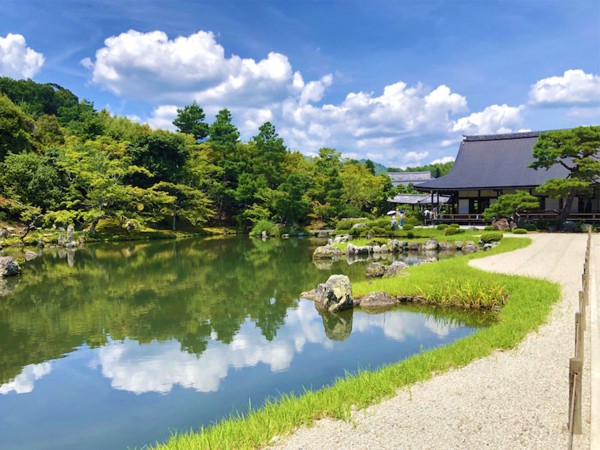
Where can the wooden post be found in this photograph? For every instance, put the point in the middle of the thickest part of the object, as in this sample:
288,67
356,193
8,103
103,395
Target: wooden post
582,309
575,370
578,337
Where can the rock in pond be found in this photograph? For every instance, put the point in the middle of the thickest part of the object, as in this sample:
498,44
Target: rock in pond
431,245
375,270
377,300
395,269
29,255
334,295
327,252
8,266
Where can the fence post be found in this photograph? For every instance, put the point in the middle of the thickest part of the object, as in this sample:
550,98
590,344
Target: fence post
578,336
575,369
582,310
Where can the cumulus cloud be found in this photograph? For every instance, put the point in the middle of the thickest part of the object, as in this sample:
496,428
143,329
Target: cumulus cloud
574,88
493,119
25,381
16,59
444,160
152,67
365,123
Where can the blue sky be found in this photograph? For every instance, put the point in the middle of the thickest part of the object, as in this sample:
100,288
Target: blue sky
398,82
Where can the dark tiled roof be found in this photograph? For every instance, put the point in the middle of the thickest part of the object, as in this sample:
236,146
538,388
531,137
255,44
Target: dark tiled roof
495,161
415,199
409,177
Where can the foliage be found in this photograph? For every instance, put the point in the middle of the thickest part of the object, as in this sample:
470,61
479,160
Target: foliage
408,227
510,205
442,226
451,231
190,120
492,236
576,150
488,228
15,128
519,231
265,225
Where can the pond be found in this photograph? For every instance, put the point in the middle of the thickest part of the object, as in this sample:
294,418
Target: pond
119,345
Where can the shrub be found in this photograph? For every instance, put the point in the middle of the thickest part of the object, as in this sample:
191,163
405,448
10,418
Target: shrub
346,224
530,227
489,228
408,227
355,232
454,225
381,222
450,231
378,231
442,226
410,235
411,221
520,231
265,225
492,236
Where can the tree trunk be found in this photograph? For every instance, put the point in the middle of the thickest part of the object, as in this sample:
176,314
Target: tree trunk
566,210
174,220
94,225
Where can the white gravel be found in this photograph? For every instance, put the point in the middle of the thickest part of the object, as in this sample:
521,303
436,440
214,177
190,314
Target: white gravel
509,400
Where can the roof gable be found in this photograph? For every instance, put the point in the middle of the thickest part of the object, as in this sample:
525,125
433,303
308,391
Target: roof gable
495,162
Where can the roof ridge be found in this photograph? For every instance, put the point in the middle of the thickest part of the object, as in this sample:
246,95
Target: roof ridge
497,137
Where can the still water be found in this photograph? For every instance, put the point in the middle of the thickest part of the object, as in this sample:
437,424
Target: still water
117,346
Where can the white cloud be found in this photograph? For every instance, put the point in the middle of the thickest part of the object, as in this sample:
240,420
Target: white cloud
152,67
493,119
575,87
365,123
162,117
16,59
25,381
444,160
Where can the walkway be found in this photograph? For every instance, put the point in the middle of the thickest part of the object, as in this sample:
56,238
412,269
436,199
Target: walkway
509,400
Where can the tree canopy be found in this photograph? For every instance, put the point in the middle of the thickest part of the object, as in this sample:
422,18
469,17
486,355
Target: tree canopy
577,151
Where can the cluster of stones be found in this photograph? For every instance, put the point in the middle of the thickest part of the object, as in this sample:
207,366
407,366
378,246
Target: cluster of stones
393,246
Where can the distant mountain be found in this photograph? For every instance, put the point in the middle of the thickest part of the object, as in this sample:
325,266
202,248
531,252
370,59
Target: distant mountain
379,168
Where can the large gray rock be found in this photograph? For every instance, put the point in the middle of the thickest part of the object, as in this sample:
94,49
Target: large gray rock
358,250
446,246
8,266
415,247
431,245
377,300
334,295
29,255
70,234
61,240
469,248
395,269
341,238
327,252
375,270
3,233
500,224
359,225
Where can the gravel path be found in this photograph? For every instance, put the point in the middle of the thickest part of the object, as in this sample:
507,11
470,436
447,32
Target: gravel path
509,400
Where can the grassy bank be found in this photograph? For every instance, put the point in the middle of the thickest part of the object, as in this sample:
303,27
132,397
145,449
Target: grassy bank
528,306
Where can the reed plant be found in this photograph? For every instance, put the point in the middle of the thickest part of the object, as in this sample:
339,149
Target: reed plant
528,307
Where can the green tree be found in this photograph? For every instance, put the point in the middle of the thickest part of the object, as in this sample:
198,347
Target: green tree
190,120
511,205
577,151
32,179
226,154
270,154
15,128
188,203
162,153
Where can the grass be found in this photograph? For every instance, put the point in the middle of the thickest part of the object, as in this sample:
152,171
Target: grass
529,303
